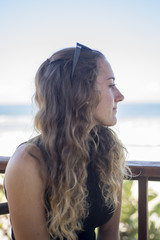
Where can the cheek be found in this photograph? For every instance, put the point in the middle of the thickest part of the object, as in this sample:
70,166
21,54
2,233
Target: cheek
105,102
102,107
106,98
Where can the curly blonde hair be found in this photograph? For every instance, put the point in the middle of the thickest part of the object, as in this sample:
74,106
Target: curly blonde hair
64,120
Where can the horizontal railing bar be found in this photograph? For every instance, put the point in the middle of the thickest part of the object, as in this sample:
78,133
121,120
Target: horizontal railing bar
143,163
145,169
137,178
139,168
4,158
3,163
4,208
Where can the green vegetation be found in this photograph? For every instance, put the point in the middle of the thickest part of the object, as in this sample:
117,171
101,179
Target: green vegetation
129,215
4,219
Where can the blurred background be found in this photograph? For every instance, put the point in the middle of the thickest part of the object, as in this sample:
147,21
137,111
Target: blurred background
127,32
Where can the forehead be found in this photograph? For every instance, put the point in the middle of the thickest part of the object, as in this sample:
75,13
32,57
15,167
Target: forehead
104,70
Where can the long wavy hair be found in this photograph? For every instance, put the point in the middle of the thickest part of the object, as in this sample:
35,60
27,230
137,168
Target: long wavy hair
64,121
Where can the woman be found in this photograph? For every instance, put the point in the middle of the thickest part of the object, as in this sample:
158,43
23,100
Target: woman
68,180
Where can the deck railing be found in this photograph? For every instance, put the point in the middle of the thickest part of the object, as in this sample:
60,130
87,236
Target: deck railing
143,171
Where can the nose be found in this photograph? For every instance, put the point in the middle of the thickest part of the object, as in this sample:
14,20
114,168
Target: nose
118,96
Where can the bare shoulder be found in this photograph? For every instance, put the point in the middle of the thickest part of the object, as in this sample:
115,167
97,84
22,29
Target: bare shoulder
24,171
27,162
25,183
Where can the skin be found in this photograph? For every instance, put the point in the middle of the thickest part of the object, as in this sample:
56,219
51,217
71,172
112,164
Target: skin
110,230
105,112
25,176
25,184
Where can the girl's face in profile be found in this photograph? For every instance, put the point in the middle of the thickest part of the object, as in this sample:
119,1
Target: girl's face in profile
109,95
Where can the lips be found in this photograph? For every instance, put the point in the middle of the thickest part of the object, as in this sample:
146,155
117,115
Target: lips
115,110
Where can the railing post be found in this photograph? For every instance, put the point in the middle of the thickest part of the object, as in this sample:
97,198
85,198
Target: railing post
4,208
143,209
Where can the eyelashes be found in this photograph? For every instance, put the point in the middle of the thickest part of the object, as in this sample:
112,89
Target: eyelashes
112,85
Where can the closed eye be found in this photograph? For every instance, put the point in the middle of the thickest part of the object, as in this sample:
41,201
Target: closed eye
112,85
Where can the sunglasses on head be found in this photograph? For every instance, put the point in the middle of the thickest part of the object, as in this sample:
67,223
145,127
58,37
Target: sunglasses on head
77,53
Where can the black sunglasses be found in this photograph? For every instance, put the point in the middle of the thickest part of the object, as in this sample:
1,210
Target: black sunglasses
77,52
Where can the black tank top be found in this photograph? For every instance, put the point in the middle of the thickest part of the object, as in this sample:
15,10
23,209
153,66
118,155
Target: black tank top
99,214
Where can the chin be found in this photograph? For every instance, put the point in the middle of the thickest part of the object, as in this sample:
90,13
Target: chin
107,123
112,123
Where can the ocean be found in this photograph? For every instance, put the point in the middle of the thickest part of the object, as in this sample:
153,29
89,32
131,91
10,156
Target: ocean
138,127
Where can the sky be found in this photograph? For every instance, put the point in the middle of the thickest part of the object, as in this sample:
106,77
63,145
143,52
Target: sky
127,32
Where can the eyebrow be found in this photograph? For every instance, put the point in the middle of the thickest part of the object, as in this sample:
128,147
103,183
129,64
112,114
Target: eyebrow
111,78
